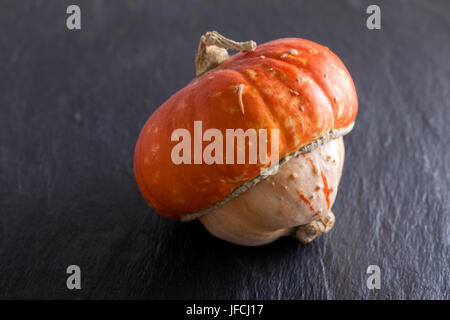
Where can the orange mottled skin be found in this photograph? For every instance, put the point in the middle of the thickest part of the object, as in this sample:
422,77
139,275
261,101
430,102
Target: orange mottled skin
304,95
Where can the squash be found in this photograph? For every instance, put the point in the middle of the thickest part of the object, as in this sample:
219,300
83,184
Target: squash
294,86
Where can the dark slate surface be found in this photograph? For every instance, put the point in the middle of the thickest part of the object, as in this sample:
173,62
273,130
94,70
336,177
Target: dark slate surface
72,105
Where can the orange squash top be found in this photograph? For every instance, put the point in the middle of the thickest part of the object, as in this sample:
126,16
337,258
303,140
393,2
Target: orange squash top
294,85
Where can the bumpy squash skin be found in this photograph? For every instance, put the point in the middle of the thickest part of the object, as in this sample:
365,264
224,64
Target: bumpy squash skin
304,95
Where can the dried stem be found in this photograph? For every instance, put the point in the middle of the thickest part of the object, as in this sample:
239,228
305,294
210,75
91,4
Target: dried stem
212,50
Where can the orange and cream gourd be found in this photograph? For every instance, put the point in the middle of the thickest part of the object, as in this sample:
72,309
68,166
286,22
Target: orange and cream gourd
296,86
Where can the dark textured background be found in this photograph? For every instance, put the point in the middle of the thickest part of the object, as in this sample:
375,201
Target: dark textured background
72,104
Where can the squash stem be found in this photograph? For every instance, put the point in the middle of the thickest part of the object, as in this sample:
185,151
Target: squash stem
212,50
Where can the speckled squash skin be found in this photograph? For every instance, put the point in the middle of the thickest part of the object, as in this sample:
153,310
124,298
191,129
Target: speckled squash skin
302,191
294,85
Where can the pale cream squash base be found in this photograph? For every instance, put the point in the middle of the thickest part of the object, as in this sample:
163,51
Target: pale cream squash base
296,201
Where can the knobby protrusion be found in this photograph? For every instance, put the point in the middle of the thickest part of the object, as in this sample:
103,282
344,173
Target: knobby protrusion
308,232
212,50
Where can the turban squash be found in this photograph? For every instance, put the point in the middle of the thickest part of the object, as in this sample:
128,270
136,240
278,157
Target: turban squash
296,86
